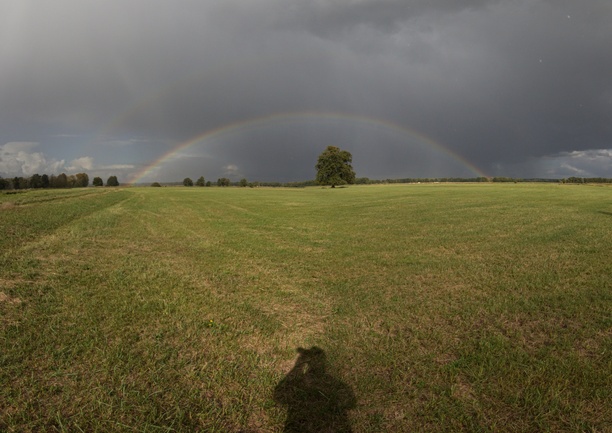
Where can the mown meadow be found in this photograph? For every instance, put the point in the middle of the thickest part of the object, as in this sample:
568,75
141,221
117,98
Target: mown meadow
438,307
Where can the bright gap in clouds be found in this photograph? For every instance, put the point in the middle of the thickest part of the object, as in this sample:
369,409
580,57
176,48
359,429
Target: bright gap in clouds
579,163
21,159
591,163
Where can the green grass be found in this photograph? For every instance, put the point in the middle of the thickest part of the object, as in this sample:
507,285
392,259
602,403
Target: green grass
442,307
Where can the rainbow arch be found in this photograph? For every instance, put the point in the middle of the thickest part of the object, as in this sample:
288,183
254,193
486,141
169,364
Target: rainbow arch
242,126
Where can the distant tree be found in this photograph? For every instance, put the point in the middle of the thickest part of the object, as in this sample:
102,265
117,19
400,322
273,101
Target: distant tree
187,182
60,181
97,181
224,181
4,183
243,182
112,181
82,180
35,181
334,167
200,181
156,184
208,183
44,180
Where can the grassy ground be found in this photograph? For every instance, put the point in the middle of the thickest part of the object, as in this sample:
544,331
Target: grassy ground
435,308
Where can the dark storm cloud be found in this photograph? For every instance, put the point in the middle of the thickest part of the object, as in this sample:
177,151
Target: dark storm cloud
514,86
331,18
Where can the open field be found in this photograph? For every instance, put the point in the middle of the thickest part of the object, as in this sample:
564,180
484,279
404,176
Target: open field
439,308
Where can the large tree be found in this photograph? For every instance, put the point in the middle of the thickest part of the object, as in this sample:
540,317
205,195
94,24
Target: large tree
112,181
334,167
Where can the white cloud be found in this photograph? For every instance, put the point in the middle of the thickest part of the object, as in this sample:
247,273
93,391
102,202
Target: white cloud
231,170
574,170
580,163
81,164
17,159
128,142
116,167
20,159
17,146
604,155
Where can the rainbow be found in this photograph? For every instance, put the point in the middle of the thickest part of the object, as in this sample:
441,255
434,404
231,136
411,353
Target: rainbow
285,118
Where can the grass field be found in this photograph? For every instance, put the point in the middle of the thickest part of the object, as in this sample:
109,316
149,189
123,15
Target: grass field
436,308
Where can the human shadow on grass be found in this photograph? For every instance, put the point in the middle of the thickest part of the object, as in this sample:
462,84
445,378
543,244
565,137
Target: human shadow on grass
315,400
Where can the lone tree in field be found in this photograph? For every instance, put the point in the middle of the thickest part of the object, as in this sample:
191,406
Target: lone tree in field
334,167
187,182
97,181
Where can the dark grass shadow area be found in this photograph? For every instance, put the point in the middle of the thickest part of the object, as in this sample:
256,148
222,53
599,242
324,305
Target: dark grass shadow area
605,213
315,400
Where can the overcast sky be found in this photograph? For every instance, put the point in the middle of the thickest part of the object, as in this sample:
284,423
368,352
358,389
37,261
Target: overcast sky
412,88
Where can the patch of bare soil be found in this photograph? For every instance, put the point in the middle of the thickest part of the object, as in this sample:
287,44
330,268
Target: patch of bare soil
4,298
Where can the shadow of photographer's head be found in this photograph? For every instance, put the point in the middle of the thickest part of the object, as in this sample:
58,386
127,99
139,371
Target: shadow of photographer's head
312,360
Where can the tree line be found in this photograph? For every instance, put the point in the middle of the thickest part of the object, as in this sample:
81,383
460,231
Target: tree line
63,180
368,181
496,179
586,180
223,181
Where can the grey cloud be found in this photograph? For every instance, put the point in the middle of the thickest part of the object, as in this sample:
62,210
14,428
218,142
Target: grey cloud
499,83
334,18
